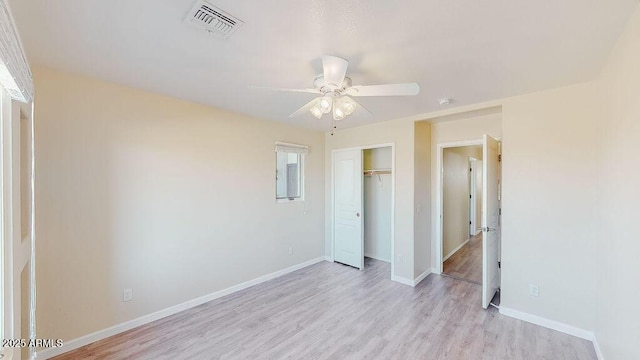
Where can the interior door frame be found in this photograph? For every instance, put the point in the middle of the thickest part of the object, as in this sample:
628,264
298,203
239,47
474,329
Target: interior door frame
392,145
473,199
440,193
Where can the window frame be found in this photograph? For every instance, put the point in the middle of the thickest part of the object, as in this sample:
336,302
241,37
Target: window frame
301,151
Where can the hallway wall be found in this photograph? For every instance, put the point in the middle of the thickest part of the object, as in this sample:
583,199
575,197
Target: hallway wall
456,196
617,290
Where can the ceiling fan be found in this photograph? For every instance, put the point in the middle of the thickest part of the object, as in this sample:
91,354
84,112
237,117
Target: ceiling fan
335,90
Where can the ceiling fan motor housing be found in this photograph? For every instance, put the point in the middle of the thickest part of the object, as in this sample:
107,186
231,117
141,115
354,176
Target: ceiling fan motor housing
331,89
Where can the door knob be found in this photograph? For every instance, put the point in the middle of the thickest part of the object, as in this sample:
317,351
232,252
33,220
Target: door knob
487,229
357,214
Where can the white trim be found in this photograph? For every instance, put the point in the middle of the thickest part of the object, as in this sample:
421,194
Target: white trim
374,257
549,324
473,199
596,346
128,325
291,148
414,282
402,280
455,250
421,277
392,145
435,271
15,74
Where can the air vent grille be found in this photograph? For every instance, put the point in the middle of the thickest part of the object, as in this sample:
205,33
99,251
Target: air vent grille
212,19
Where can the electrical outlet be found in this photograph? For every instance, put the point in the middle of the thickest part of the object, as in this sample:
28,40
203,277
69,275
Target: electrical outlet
127,295
534,290
290,250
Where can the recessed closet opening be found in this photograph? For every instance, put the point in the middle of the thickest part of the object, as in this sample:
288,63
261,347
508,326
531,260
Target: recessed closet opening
377,203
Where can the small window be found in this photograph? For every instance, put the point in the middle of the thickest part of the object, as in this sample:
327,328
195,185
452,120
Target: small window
290,171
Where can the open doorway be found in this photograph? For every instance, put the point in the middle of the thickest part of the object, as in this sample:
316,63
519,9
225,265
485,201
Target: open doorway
457,239
462,211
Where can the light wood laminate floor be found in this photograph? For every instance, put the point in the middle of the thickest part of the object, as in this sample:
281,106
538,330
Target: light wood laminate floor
466,263
332,311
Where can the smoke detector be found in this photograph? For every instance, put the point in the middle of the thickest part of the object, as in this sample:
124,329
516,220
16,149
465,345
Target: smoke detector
445,101
212,19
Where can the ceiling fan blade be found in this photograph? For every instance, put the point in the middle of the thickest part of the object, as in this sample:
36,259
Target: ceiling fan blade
361,108
306,107
384,90
311,91
334,70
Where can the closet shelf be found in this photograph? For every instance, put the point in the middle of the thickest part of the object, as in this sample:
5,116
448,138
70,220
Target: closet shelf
371,172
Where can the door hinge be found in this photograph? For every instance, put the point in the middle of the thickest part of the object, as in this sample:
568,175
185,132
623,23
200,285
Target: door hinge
470,169
499,265
469,222
500,211
499,157
469,196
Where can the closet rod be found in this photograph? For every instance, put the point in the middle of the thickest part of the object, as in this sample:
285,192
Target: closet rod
377,172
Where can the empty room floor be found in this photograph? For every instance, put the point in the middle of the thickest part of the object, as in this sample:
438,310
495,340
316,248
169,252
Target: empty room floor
466,263
331,311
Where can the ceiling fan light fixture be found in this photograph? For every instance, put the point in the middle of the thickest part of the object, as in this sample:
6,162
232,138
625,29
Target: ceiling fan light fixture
347,105
335,90
325,104
315,111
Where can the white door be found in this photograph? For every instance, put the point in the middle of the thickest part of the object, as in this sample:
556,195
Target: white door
348,232
490,220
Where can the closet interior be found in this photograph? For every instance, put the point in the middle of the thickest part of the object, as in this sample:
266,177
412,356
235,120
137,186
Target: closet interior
377,193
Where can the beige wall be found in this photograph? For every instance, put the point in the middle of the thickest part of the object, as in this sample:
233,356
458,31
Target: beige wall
618,197
422,197
399,132
172,199
378,158
466,128
548,204
455,203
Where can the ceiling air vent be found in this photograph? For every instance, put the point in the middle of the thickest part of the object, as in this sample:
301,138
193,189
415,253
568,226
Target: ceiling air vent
206,16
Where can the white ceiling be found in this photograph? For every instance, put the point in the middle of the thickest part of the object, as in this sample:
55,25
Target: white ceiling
470,50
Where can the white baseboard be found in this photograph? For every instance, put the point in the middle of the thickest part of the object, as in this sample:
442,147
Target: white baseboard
597,347
555,325
402,280
128,325
455,250
421,277
375,257
410,282
550,324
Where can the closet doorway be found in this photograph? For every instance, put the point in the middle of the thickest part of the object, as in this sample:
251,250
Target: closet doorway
377,203
363,206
